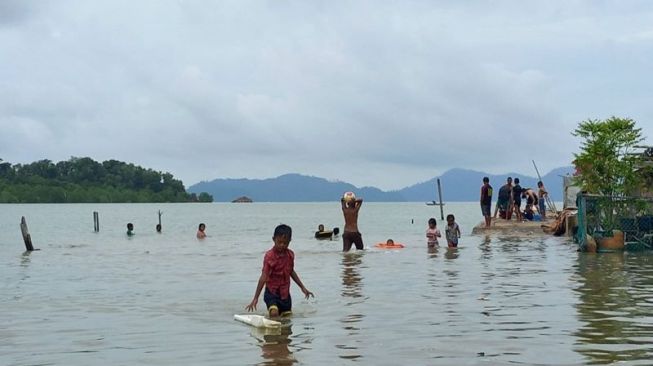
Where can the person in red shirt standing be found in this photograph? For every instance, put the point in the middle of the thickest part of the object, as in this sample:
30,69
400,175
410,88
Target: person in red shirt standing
278,269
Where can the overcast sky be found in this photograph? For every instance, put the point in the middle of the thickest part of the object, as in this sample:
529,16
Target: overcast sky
380,93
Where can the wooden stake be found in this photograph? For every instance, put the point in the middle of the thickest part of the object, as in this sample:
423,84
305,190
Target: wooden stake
441,204
96,221
159,227
26,237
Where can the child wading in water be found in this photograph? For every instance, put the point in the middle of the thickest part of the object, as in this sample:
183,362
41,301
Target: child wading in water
452,231
201,233
432,233
278,269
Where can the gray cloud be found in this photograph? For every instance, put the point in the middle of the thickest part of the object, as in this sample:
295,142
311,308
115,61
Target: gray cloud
13,12
372,93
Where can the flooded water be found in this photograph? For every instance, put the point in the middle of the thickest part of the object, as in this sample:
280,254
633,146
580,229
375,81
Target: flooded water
167,299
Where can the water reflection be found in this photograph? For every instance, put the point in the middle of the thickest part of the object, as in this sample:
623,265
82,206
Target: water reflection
452,253
485,248
274,345
432,251
25,259
351,288
509,244
615,308
351,277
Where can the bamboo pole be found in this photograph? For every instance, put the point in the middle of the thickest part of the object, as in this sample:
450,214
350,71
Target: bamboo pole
548,200
441,204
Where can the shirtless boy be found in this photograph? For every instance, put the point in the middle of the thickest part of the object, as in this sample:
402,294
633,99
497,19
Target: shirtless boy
351,235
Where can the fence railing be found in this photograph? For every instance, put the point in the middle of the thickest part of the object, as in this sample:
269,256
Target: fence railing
599,216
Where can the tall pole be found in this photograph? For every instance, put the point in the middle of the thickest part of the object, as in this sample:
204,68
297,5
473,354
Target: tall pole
548,200
441,204
537,171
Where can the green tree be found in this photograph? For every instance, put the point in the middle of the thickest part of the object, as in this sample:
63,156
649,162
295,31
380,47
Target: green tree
85,180
205,197
605,163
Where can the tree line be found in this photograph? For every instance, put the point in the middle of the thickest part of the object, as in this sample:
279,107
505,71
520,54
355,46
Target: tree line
84,180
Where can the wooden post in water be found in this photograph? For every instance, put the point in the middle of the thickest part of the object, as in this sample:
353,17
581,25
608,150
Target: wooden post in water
441,204
96,221
26,237
159,227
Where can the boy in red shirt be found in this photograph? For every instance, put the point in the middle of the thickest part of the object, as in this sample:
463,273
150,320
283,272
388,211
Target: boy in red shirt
278,269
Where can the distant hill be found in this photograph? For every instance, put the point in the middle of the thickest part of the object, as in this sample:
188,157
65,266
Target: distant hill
288,188
457,185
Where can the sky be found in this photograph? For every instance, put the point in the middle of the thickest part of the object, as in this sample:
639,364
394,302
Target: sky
373,93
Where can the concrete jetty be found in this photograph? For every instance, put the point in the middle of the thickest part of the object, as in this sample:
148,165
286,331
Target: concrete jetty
513,227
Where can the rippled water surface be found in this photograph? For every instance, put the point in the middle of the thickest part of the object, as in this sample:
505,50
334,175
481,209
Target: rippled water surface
167,299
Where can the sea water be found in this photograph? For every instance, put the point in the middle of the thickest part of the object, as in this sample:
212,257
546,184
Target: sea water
104,298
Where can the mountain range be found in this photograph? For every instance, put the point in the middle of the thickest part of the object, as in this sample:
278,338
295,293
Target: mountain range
458,185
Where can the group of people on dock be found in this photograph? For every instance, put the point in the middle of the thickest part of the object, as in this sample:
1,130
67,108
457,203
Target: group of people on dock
509,200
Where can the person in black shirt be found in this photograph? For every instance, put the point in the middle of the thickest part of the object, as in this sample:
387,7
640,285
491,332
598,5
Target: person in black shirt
516,199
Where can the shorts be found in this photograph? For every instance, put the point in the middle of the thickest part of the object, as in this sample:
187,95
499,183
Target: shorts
486,209
503,204
517,203
452,242
349,238
284,306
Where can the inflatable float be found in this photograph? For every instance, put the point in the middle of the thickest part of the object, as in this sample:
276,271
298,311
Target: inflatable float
257,321
389,246
326,234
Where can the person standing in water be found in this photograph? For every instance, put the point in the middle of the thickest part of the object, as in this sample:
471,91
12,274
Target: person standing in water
432,233
278,270
452,231
201,234
350,207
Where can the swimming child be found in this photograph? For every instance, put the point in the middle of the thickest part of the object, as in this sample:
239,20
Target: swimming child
432,233
200,231
130,229
278,269
452,231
